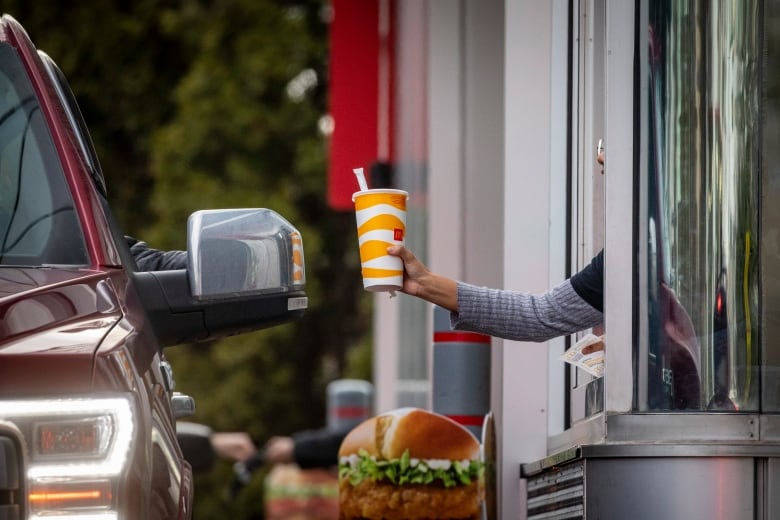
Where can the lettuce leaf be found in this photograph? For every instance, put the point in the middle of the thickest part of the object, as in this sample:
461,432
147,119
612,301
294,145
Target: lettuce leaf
406,471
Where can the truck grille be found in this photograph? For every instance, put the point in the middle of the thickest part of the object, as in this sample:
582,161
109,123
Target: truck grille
557,494
11,495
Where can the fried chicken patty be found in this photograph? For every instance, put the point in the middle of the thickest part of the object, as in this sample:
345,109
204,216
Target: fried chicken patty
385,501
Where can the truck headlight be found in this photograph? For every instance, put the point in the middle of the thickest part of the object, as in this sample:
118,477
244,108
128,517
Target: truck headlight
76,449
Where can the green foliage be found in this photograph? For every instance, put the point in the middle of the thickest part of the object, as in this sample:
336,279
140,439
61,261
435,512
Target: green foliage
197,104
121,64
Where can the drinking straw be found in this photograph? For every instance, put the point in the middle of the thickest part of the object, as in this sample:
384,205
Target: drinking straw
360,178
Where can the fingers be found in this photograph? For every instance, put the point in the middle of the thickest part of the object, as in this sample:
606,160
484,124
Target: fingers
401,252
280,449
595,347
233,445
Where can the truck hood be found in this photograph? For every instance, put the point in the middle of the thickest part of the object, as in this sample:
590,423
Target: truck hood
51,323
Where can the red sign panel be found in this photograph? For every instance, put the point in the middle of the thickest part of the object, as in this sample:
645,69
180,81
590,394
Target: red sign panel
360,36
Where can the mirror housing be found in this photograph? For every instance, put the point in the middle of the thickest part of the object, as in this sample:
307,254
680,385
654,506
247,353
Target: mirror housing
245,272
195,442
240,251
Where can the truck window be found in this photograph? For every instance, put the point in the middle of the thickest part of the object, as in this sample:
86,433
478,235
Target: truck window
39,225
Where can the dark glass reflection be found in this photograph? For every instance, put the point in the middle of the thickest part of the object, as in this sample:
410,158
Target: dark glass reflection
770,211
703,173
38,221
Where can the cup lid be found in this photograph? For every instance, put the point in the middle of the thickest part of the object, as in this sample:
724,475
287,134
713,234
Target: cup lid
380,190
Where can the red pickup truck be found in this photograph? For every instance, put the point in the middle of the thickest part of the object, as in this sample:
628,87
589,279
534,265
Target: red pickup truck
88,407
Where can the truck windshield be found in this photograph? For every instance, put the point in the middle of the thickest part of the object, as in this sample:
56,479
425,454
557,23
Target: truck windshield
39,225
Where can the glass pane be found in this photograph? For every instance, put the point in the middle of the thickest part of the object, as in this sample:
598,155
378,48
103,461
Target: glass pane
770,212
703,171
38,221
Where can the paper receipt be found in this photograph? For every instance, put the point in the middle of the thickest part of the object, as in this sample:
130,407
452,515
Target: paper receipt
591,359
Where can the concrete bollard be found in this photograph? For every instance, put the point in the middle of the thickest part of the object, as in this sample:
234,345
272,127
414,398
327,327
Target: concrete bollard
461,373
350,402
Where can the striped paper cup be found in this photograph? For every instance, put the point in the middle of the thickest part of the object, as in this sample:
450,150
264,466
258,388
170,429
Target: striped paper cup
381,222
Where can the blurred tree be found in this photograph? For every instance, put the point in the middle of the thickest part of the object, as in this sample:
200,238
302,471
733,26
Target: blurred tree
122,66
197,104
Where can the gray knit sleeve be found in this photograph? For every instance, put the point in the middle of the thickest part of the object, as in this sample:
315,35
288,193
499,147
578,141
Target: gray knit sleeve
522,316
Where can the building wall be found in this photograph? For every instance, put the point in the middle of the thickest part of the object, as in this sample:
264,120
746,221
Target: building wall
493,197
522,421
495,138
401,328
490,157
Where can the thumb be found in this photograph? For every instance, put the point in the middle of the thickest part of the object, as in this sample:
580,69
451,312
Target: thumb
395,250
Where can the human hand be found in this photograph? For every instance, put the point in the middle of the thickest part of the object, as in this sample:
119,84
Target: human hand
237,446
422,283
280,450
594,347
414,270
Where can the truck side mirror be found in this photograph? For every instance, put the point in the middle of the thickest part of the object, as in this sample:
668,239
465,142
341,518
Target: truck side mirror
245,272
238,251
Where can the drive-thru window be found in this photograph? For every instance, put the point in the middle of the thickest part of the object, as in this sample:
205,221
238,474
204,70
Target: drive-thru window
695,325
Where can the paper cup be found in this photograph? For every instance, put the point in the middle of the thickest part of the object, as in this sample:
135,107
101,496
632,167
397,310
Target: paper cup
381,222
